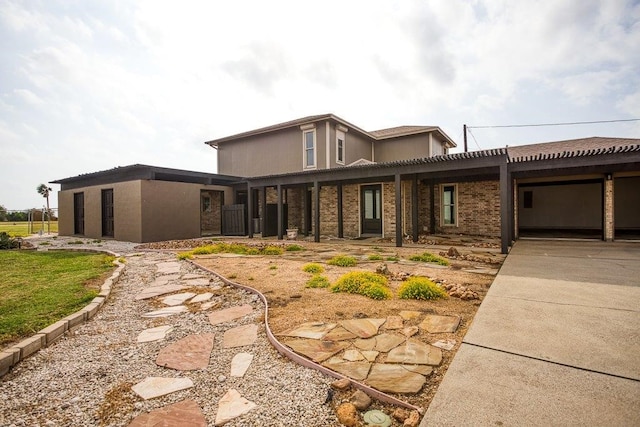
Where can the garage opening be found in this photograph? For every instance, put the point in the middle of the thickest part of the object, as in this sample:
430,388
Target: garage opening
566,209
626,215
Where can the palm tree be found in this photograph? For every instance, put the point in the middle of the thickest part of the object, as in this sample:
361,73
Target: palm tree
44,191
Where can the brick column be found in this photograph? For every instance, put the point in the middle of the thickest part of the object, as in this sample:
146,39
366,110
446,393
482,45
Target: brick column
608,208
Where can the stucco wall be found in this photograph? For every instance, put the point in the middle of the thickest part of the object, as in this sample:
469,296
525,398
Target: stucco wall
405,148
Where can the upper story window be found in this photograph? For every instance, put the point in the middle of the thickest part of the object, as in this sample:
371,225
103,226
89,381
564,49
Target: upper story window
340,142
449,214
309,148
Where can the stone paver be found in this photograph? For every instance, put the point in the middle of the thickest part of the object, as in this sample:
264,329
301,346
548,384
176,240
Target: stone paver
232,405
339,334
445,344
152,387
196,282
352,355
415,353
240,336
314,349
154,334
365,344
313,330
394,322
167,311
170,267
228,314
410,314
177,299
364,328
240,363
385,342
154,291
394,379
439,324
189,353
356,370
410,331
370,355
201,297
186,413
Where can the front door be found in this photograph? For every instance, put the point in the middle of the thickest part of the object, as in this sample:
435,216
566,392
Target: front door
371,209
107,213
78,213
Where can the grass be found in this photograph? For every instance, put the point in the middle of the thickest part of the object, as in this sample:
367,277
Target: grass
375,257
294,248
427,257
39,288
21,229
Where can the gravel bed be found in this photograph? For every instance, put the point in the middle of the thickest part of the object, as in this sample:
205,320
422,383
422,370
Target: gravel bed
85,378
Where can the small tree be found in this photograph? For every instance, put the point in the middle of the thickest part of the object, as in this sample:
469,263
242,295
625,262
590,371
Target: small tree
3,213
44,191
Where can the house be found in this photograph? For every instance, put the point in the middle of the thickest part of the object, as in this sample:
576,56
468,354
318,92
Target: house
326,176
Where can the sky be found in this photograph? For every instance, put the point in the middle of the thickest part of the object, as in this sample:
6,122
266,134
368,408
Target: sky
89,85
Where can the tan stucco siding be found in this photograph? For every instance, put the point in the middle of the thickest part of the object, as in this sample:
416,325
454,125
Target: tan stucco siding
406,148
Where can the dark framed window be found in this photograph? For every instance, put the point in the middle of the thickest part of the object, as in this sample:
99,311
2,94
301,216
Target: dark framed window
449,216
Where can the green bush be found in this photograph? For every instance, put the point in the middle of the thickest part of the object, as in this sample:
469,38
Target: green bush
294,248
364,283
6,242
420,288
272,250
393,258
343,261
318,281
375,257
427,257
185,255
313,268
234,248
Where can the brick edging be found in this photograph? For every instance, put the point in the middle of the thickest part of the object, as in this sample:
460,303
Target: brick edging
11,356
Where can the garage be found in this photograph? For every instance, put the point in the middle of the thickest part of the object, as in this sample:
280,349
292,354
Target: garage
571,209
627,207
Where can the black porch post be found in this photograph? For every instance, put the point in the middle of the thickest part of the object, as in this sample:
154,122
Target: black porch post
432,207
398,211
264,212
249,210
340,225
279,188
414,207
316,216
505,215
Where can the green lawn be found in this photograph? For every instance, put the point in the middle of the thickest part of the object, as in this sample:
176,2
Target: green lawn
21,229
39,288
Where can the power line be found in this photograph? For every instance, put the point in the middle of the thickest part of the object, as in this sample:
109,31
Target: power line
553,124
474,138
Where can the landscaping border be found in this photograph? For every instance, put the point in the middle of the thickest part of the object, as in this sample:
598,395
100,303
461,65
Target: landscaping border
11,356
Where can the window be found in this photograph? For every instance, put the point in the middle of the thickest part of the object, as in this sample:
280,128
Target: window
206,204
340,137
309,141
528,199
449,214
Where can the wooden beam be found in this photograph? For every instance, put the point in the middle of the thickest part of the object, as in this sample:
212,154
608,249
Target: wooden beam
398,211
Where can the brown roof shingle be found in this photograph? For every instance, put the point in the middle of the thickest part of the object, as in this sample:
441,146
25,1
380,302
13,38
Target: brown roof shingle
570,148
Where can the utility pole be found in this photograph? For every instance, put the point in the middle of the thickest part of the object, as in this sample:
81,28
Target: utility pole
464,131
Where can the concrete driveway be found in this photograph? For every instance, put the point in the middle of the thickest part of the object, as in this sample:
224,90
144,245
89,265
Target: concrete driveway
555,342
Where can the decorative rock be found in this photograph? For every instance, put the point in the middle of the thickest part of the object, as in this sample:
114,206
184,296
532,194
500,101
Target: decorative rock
313,330
338,334
401,414
413,420
444,344
410,331
347,415
370,355
355,370
231,406
394,379
165,312
201,297
152,387
365,344
240,336
154,334
155,291
352,355
360,400
228,314
197,282
177,299
410,315
240,363
210,304
341,384
314,349
415,353
182,414
363,328
439,324
221,378
385,342
377,418
189,353
394,322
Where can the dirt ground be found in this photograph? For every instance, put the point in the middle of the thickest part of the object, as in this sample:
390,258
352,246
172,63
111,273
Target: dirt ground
281,279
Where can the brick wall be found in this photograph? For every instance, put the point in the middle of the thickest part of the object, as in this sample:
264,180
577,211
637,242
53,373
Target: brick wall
211,220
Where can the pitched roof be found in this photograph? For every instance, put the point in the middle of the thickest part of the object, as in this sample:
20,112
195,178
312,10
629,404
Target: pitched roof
572,148
375,135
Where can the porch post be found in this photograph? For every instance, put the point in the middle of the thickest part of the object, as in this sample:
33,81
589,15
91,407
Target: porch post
414,207
398,211
505,215
249,210
608,216
316,216
279,188
264,211
340,227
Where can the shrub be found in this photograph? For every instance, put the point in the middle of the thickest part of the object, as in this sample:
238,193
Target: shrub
343,261
427,257
294,248
273,267
364,283
375,257
6,242
313,268
185,255
393,258
420,288
272,250
318,281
